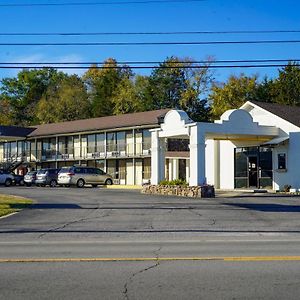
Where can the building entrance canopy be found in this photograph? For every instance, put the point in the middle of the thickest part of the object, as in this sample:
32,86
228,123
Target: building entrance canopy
235,125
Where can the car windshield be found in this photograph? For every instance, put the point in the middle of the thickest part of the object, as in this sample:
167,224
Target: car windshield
64,170
31,173
40,172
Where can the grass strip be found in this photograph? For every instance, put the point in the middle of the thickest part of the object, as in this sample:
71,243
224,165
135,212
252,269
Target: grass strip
10,204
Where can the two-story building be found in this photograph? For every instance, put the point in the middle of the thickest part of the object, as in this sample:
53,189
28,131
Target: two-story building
256,146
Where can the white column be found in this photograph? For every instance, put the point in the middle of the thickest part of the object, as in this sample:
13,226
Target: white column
197,157
175,168
157,157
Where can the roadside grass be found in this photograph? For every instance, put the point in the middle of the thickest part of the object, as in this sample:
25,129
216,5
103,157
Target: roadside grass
10,204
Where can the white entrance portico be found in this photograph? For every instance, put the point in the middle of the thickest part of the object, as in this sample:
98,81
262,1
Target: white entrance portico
236,126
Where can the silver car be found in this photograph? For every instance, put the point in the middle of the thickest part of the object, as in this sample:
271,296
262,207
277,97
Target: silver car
30,178
80,176
6,178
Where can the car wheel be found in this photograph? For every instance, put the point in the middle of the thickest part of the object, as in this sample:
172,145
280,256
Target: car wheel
21,182
28,184
108,182
80,183
8,182
53,183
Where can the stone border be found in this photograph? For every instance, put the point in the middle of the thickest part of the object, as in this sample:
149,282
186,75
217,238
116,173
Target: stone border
205,191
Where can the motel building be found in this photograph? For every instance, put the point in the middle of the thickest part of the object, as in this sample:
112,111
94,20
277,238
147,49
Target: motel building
256,146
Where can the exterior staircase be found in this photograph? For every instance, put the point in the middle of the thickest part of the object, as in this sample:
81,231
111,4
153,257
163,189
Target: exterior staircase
12,163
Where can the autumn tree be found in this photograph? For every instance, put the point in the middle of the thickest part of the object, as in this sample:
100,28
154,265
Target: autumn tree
25,91
65,101
232,94
102,84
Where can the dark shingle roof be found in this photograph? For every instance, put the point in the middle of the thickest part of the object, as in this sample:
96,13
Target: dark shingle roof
15,131
286,112
103,123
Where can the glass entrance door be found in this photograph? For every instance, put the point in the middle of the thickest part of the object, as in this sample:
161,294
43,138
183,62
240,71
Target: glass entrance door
253,167
252,171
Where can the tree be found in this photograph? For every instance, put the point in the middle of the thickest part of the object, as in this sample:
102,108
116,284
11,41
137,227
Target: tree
102,84
65,101
232,94
25,91
131,95
181,84
166,84
5,111
286,88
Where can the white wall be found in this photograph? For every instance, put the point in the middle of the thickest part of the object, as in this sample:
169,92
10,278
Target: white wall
226,165
210,162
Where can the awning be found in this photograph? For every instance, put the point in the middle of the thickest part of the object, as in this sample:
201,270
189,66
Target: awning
277,141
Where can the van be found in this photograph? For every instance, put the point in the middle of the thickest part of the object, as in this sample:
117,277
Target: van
80,176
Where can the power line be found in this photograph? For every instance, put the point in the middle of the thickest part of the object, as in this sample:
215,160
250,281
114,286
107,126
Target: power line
149,67
145,33
152,43
94,3
155,62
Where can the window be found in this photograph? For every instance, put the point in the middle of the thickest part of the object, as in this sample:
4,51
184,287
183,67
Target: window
91,140
99,172
111,142
281,161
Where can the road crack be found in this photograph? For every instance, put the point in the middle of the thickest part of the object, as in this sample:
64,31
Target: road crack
82,219
131,278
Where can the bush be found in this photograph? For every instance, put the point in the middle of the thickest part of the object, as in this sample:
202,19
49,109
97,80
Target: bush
174,182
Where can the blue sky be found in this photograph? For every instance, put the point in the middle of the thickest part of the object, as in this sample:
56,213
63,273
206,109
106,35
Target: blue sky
209,15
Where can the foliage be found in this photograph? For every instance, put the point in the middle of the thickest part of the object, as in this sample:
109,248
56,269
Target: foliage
47,95
232,94
180,182
180,84
64,101
25,91
102,86
286,88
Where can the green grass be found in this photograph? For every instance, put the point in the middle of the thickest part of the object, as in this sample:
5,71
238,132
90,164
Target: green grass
10,204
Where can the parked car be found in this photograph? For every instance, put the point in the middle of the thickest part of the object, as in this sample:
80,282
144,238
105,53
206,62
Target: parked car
47,177
30,178
18,179
6,178
80,176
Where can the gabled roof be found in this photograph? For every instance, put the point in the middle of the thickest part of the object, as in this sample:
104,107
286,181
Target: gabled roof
286,112
102,123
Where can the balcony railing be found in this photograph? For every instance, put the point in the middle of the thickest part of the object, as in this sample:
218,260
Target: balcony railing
85,153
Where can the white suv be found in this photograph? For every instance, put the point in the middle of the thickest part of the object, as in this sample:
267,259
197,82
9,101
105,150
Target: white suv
6,178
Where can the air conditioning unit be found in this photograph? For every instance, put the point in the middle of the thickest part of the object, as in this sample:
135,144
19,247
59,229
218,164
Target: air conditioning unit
115,153
147,152
65,156
116,181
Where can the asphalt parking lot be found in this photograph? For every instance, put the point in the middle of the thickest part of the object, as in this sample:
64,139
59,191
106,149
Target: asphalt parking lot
119,244
94,212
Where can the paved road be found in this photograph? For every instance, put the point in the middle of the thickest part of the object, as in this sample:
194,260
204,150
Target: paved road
116,244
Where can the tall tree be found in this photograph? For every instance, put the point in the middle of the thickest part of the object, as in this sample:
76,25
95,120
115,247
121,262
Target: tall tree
232,94
65,101
24,92
286,88
102,84
181,84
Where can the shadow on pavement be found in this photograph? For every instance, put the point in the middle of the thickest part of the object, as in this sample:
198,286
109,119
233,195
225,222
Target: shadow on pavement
46,206
266,207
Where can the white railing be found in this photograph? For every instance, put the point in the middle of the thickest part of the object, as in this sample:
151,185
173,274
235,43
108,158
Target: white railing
84,153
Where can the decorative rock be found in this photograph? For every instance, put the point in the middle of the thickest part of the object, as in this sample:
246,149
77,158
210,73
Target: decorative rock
205,191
